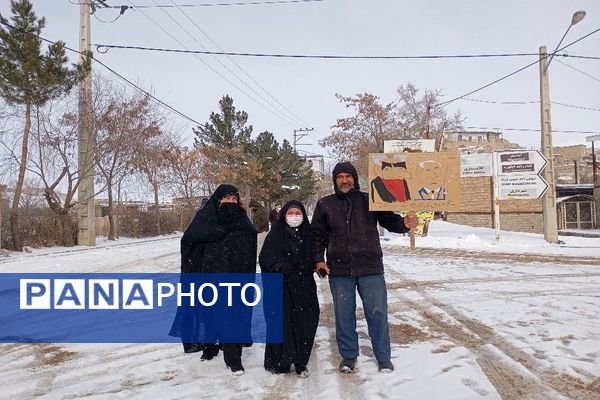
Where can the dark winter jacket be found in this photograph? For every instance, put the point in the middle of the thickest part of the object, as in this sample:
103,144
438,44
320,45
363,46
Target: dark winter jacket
343,226
273,216
260,218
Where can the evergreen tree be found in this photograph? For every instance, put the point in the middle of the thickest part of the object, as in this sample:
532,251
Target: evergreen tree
226,129
297,179
265,151
30,78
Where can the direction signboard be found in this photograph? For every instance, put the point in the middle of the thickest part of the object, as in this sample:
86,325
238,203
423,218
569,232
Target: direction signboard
530,162
472,165
521,187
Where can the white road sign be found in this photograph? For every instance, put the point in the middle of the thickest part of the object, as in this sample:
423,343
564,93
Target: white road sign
398,146
521,187
472,165
529,162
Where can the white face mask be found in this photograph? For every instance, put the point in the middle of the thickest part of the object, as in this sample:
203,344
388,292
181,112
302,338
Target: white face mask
294,220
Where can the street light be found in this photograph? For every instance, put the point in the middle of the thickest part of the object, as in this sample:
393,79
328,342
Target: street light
549,198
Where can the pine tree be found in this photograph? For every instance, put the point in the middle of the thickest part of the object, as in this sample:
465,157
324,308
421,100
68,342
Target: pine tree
30,78
226,129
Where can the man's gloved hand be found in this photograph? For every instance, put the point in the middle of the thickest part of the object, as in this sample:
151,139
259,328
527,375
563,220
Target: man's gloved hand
322,269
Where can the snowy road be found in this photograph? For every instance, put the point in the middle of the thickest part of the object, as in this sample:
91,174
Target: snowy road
464,325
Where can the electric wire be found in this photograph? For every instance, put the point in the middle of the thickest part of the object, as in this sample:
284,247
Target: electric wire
315,56
165,105
248,3
578,70
232,72
529,102
214,70
239,66
528,130
445,103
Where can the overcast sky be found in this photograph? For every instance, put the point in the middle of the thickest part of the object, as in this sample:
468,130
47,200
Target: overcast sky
307,87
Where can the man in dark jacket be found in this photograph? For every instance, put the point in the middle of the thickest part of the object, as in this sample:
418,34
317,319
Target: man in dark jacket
343,226
260,219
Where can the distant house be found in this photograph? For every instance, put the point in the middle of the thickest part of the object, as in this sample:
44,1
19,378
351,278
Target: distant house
316,164
473,136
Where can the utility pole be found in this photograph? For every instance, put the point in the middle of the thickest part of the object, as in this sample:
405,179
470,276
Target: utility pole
576,172
298,136
86,210
549,198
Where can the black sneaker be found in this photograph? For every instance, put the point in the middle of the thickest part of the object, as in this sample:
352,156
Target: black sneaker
347,365
385,366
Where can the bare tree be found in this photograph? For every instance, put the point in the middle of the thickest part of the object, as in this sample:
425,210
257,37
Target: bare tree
151,159
54,160
121,121
187,177
372,122
420,117
354,137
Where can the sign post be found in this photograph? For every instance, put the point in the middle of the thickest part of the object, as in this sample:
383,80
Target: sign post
519,174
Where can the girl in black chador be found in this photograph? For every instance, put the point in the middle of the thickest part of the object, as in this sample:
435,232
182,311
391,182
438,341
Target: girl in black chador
288,249
220,239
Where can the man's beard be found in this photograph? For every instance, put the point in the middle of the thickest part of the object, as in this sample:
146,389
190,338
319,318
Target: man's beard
345,188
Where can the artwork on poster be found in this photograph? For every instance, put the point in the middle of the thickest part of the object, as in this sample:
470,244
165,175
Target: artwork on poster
414,181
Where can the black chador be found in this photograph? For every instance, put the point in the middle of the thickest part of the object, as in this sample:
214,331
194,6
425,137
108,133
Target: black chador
220,239
289,250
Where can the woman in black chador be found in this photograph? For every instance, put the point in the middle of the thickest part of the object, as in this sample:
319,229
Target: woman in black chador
220,239
288,249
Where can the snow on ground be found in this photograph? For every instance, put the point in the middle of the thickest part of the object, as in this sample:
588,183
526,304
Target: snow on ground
453,236
461,328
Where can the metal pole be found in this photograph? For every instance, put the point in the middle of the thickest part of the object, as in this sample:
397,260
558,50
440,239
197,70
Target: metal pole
495,196
86,212
549,198
593,164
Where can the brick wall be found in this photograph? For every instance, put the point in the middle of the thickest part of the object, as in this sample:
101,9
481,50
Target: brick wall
477,208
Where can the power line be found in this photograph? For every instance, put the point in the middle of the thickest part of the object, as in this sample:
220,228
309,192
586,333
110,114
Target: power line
213,69
578,70
577,107
445,103
529,102
249,3
103,46
584,57
527,130
165,105
501,102
237,65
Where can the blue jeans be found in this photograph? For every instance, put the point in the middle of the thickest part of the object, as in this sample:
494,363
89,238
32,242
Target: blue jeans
373,294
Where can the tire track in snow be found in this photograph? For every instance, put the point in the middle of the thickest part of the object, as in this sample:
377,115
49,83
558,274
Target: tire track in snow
504,258
408,283
514,373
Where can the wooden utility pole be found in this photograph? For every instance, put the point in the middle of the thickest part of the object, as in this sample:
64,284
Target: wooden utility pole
86,211
549,198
